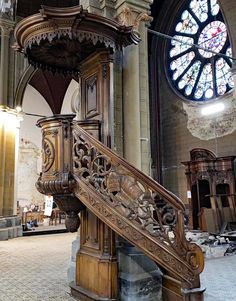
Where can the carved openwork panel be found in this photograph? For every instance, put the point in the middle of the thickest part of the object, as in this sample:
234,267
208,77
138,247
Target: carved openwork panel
133,195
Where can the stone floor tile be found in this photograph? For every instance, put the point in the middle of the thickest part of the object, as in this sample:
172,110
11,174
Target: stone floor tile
34,268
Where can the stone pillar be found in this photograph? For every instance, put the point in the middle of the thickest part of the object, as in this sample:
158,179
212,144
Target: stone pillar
131,104
9,133
139,277
144,99
7,163
135,85
9,128
6,29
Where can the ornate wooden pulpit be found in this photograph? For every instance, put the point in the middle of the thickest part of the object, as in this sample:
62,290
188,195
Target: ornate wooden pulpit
85,176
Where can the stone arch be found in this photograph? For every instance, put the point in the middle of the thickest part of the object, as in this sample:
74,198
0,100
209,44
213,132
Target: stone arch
24,80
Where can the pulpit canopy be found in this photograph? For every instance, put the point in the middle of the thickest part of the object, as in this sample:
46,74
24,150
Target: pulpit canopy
59,39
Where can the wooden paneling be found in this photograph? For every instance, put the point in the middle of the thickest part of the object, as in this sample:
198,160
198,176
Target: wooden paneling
96,264
91,97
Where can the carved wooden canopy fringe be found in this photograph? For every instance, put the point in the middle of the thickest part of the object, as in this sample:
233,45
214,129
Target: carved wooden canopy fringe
58,39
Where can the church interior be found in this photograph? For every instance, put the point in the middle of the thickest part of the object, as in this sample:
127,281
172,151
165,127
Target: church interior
117,123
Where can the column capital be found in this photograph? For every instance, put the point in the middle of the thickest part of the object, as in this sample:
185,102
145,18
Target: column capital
131,13
131,17
6,26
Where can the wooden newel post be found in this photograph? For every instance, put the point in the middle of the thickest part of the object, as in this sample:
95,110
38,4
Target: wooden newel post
56,178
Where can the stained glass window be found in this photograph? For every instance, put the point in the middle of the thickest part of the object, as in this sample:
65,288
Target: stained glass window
195,72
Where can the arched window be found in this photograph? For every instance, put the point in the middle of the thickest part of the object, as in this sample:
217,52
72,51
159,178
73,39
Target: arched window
196,74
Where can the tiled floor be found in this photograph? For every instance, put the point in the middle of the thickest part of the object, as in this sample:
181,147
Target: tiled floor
34,268
219,279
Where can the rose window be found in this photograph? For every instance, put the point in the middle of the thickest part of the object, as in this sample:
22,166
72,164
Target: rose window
195,72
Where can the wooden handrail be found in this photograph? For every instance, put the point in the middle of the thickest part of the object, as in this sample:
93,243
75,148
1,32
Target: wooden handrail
172,198
135,206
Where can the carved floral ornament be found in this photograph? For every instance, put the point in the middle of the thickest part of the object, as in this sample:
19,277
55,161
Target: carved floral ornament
59,39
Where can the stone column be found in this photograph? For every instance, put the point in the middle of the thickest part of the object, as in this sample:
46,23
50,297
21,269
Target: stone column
9,130
144,99
131,104
8,133
135,85
140,279
6,28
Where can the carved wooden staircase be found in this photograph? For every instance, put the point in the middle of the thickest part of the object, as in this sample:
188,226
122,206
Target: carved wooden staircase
128,201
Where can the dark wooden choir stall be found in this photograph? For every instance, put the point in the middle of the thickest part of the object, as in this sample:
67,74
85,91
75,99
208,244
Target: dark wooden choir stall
211,181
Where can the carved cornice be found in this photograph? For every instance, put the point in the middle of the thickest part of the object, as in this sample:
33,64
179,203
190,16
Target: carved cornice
59,39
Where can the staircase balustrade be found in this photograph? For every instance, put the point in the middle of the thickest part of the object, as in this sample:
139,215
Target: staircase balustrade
135,206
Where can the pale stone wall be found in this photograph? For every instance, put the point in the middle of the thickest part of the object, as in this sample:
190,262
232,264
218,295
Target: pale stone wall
28,173
29,157
71,99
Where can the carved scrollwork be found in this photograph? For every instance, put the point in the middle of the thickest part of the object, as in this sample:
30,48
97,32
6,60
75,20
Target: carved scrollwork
131,197
59,184
48,154
137,199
